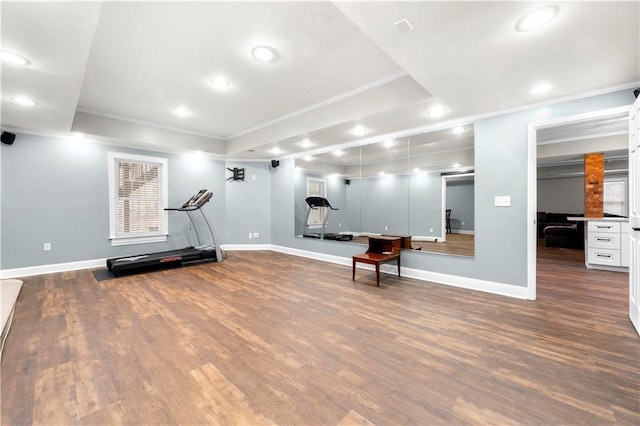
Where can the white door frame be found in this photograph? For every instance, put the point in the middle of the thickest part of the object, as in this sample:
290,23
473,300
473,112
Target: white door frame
532,186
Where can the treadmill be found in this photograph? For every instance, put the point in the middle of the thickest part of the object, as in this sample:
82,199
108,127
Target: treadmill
172,258
315,203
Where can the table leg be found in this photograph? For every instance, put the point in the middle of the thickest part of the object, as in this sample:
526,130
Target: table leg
398,266
353,267
378,274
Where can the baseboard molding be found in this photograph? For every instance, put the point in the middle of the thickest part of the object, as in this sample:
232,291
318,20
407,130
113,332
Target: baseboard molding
418,274
245,247
52,268
463,231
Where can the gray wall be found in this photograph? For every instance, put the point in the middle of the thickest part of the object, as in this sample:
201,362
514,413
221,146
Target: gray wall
501,161
561,195
425,205
460,199
384,204
55,190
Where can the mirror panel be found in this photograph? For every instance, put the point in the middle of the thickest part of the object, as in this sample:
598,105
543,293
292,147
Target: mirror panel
398,187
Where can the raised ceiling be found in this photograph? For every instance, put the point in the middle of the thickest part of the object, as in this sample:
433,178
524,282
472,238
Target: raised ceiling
116,70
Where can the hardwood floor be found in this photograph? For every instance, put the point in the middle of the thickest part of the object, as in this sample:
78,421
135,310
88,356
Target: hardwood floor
267,338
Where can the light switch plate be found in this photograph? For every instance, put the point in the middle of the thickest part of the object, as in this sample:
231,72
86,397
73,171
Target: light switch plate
502,201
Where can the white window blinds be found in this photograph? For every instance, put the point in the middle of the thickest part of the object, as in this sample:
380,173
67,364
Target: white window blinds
138,198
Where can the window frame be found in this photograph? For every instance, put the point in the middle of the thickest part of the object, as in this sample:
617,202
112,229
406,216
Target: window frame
138,238
625,195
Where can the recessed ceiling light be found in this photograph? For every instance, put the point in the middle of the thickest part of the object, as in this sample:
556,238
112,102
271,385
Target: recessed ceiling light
276,151
416,170
456,164
305,144
540,89
359,130
308,158
381,173
459,129
388,144
338,153
437,111
182,111
537,18
24,101
220,83
14,58
264,53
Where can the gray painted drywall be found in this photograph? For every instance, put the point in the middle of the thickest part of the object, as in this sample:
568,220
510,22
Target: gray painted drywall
460,199
55,190
385,204
561,195
501,161
248,203
425,204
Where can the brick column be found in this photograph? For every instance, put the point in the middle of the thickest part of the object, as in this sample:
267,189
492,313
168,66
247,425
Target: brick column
593,184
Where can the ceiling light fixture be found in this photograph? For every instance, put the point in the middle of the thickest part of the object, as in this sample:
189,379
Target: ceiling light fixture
264,53
359,130
456,165
536,19
308,158
182,111
540,89
437,111
24,101
305,144
14,58
389,143
276,151
459,129
220,83
338,153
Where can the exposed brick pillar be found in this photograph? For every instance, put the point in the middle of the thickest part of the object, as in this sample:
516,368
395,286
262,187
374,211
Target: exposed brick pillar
593,184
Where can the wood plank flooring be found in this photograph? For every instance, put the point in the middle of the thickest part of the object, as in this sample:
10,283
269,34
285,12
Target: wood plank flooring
267,338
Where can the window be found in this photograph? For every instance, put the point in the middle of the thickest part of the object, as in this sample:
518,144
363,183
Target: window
316,188
137,199
615,197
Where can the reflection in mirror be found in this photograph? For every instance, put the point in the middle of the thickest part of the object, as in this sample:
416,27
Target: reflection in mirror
398,187
441,169
327,200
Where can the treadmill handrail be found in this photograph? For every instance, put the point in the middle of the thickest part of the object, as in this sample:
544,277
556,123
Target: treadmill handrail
315,202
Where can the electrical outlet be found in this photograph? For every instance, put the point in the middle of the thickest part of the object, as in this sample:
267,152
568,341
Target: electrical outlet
386,228
339,225
463,223
430,229
250,235
256,235
47,246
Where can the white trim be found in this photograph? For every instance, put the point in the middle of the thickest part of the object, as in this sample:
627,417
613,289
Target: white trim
435,277
322,104
52,268
532,174
463,231
159,236
129,240
245,247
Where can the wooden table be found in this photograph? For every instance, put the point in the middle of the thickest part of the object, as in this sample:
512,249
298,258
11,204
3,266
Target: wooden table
383,249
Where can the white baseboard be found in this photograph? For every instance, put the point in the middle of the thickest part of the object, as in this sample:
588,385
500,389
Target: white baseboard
419,274
463,231
53,268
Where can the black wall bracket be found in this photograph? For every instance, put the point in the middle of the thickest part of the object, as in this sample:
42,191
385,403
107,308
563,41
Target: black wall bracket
238,174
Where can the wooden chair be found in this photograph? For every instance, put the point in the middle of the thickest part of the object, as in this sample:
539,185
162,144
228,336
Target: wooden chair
381,250
448,220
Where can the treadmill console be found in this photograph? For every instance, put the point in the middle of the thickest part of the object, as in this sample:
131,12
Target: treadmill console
197,201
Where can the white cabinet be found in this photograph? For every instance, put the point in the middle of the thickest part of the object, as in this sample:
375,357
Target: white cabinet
607,245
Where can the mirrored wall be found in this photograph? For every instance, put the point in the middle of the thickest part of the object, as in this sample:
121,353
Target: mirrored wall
398,187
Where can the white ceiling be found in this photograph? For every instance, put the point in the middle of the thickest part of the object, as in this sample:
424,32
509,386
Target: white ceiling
115,70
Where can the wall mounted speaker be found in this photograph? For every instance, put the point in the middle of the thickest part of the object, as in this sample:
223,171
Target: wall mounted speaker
347,181
275,163
8,138
636,92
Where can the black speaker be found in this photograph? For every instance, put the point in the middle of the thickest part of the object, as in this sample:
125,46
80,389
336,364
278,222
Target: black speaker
636,92
275,163
8,138
347,181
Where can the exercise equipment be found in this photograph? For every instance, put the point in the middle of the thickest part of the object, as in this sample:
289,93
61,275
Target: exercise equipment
170,258
316,203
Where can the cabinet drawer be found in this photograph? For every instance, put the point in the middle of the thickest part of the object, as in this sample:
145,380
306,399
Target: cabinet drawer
604,240
604,257
604,227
